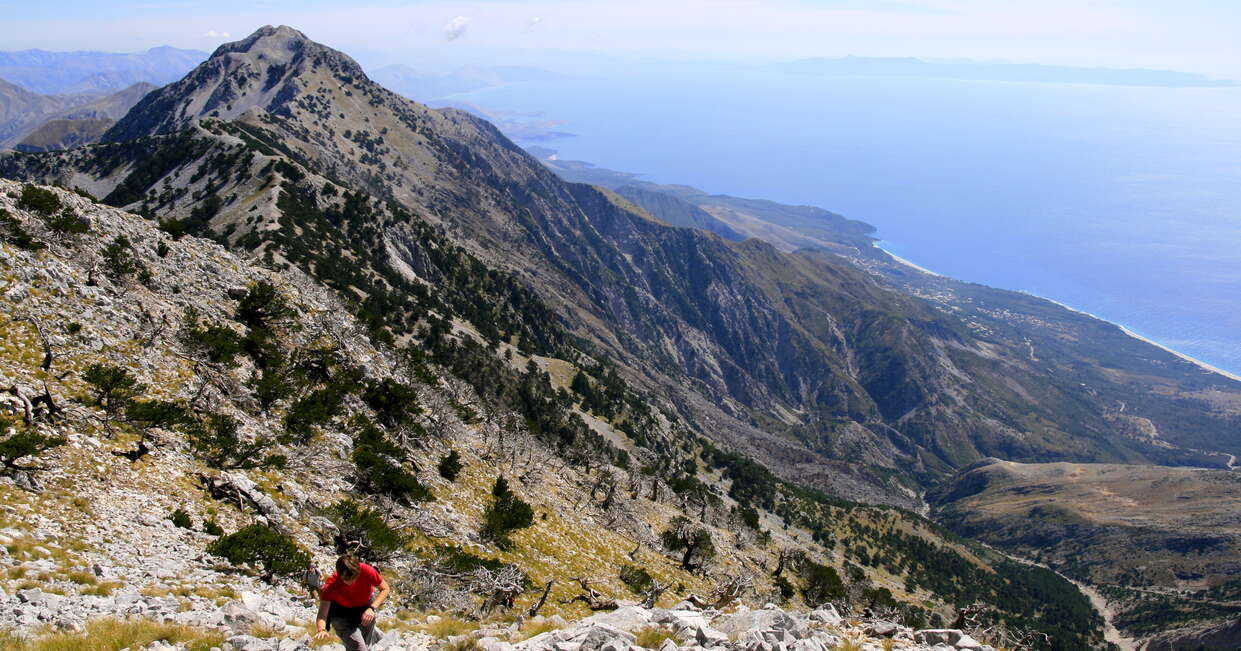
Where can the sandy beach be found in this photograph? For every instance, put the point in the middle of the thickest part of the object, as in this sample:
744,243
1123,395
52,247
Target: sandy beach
1201,364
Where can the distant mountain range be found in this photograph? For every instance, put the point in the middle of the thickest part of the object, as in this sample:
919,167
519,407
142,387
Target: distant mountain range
52,73
33,122
979,71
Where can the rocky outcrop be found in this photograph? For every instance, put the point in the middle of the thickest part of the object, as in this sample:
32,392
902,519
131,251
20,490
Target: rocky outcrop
684,626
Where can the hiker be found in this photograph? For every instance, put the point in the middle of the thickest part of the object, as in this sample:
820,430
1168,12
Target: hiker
313,581
348,601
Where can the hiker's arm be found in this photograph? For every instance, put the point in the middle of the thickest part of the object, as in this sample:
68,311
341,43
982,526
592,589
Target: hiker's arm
382,595
321,620
369,615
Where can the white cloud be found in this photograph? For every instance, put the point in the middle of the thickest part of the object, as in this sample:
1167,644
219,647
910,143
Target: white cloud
211,33
533,22
455,28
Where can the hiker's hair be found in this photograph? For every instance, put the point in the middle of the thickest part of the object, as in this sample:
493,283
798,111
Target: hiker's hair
347,567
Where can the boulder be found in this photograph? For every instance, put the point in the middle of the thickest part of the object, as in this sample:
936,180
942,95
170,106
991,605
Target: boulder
629,618
599,636
882,629
248,643
763,620
827,615
933,636
968,642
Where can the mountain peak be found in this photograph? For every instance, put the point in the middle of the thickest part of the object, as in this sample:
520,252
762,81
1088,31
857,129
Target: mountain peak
267,71
268,39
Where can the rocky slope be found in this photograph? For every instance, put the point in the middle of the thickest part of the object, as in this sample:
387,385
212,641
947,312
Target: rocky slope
91,530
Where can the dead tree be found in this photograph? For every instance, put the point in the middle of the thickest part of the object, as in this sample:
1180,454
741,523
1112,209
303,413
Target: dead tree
538,605
591,597
653,594
47,344
730,590
970,616
501,586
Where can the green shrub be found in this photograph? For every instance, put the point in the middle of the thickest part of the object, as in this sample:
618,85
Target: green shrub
270,387
505,514
786,589
165,414
264,547
212,528
694,542
66,222
364,530
636,578
380,465
264,306
118,258
394,403
174,227
823,584
181,519
450,465
219,344
458,561
162,250
23,442
39,200
214,439
112,387
316,408
11,231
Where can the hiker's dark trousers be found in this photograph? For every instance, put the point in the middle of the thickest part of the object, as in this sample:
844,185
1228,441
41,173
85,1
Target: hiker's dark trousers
356,638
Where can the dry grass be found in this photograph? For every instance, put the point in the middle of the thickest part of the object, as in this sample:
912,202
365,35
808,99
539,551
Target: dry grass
447,626
114,635
80,577
531,629
652,637
102,589
265,631
849,645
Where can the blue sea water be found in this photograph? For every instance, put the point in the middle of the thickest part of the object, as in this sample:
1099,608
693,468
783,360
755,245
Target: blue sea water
1124,202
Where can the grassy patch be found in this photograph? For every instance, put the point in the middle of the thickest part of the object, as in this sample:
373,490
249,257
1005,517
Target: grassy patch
448,626
103,589
652,636
117,634
531,629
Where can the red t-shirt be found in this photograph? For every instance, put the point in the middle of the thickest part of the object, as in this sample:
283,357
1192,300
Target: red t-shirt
353,595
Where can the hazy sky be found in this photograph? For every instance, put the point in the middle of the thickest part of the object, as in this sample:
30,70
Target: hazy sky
1191,35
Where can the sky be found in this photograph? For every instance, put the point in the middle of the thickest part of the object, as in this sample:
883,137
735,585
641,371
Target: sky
1190,35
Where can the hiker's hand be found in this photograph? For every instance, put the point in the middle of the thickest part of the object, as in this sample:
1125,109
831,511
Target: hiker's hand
368,617
320,636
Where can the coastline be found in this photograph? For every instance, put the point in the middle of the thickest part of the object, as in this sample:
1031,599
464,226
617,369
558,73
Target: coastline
903,261
1192,360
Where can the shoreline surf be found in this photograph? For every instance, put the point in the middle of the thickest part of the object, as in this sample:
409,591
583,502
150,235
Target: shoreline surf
1192,360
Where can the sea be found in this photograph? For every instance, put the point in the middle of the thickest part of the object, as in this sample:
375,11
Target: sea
1123,202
